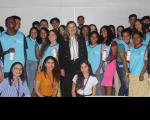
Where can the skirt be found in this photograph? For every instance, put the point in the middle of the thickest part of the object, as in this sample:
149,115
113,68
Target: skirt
109,72
138,88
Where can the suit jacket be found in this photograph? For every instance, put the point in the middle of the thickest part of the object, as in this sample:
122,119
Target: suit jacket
65,55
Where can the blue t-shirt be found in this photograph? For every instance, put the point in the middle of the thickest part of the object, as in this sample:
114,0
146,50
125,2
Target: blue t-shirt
49,50
31,49
147,38
94,56
137,60
118,41
125,48
18,42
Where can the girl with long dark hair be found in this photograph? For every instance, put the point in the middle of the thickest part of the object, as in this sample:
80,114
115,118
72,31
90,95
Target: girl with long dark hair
47,81
84,83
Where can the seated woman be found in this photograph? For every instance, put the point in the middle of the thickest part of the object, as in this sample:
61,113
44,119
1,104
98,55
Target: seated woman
15,85
47,81
84,83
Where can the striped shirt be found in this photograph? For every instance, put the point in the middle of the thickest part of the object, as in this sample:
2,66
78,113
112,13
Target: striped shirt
7,90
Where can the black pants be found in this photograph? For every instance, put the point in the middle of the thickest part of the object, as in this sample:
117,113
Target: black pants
66,83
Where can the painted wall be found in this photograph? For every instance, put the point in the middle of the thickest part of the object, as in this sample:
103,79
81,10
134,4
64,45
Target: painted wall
99,12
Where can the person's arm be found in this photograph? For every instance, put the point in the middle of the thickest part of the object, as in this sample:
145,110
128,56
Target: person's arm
26,90
37,85
37,52
85,54
61,59
121,52
95,82
141,78
73,89
25,48
113,56
37,88
55,90
100,65
3,53
94,90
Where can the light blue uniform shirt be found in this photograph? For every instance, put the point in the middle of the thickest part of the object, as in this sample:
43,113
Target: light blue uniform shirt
118,41
126,48
137,60
94,56
18,43
49,50
147,38
7,90
31,49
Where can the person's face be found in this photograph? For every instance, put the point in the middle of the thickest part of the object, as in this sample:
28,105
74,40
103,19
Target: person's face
72,29
132,21
43,34
50,65
44,24
104,33
17,70
138,26
18,24
11,24
94,39
119,30
85,31
137,39
34,34
81,21
55,24
62,31
126,37
84,68
92,28
146,21
52,37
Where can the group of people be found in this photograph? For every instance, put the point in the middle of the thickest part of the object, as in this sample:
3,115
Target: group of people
75,61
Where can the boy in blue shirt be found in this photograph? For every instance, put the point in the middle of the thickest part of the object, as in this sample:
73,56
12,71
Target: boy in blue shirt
14,42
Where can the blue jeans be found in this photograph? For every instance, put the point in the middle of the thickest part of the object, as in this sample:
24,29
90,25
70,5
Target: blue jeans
31,67
98,88
123,91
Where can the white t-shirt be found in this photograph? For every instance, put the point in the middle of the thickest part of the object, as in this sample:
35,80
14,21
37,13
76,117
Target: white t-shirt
88,88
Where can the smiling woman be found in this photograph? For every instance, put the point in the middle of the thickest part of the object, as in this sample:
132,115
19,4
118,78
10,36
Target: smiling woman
15,85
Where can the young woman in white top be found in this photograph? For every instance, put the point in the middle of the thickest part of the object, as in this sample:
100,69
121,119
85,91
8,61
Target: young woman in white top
84,83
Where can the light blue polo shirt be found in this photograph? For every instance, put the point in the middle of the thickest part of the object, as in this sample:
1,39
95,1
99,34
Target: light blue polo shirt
49,50
147,38
118,41
126,48
31,49
17,42
94,56
137,60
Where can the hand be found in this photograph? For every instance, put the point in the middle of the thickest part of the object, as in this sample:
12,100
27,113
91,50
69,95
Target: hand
11,50
97,73
149,80
127,76
62,72
141,78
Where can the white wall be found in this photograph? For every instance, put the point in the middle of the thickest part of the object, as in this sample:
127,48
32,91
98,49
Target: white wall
99,12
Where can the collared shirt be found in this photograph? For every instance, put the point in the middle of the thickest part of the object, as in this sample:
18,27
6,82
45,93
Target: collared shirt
74,49
7,90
